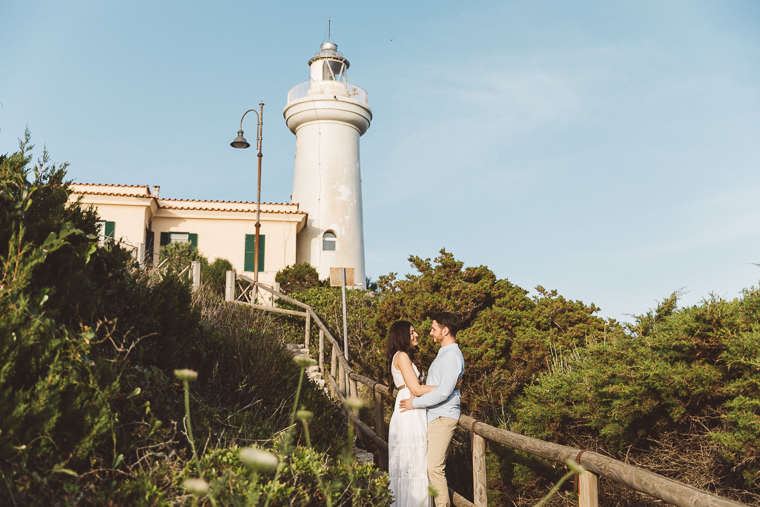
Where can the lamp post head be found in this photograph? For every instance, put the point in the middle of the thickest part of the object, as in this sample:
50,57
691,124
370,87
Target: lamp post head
240,141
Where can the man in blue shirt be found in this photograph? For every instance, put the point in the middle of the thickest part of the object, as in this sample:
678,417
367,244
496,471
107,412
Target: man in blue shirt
442,403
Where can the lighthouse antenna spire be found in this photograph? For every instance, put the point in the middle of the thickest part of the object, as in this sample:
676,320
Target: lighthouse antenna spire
328,29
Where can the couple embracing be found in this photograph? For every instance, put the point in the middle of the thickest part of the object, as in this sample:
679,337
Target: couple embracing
424,416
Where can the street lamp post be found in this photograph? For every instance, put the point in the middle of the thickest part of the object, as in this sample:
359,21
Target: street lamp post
240,142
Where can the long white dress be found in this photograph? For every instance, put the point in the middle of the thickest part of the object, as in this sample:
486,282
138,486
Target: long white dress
407,451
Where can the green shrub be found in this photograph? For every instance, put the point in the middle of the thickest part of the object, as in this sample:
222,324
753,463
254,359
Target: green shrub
677,365
176,257
53,395
297,278
90,413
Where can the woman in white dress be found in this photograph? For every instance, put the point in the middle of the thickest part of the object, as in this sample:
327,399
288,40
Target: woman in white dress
407,433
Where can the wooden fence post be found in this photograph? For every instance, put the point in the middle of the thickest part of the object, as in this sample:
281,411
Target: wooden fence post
322,352
334,368
354,392
588,495
479,471
380,429
195,275
308,331
342,379
229,286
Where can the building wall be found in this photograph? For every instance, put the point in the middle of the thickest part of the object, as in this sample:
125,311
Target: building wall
130,215
221,227
327,180
222,235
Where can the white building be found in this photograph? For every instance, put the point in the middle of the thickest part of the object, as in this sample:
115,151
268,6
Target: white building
323,226
141,220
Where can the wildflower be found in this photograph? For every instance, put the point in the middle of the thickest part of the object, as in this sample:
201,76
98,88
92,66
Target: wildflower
304,415
258,460
304,362
354,402
575,467
186,375
196,486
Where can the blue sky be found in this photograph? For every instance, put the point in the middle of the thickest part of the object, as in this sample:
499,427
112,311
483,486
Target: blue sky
609,150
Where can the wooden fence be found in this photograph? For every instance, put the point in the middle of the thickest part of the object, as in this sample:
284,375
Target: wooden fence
596,465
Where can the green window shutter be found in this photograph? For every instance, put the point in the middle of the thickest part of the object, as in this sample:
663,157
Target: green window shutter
165,238
194,240
110,230
261,252
250,252
150,238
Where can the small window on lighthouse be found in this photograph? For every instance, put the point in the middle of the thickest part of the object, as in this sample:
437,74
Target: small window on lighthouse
329,241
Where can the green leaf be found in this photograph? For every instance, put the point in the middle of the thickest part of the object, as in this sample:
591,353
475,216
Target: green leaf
60,470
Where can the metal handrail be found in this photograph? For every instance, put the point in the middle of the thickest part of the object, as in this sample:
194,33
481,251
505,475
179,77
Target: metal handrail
312,89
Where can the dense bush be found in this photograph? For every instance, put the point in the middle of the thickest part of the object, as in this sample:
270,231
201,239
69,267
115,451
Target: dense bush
676,365
298,277
507,336
176,257
90,410
547,367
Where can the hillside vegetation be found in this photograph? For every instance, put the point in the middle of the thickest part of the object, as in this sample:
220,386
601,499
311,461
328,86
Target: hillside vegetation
91,411
93,414
677,393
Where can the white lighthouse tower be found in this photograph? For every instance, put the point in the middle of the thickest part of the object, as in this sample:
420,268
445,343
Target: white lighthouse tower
328,115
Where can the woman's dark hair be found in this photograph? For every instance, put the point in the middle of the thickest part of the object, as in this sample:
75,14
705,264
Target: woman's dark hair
400,340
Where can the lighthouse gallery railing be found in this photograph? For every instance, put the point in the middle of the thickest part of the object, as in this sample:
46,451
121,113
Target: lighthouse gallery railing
301,91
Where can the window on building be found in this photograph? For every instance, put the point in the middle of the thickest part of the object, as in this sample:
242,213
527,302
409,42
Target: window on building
150,239
333,70
250,252
179,237
106,230
329,241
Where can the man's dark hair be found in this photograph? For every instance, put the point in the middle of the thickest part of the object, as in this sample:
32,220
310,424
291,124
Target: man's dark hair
449,320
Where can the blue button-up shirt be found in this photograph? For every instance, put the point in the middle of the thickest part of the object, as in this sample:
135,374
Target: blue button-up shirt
443,401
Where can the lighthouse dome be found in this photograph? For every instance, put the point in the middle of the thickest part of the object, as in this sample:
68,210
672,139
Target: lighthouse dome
329,50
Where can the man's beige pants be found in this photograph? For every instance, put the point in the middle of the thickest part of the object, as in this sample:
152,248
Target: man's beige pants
439,436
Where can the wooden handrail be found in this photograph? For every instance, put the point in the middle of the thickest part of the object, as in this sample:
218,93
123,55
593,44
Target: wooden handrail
657,486
357,422
650,483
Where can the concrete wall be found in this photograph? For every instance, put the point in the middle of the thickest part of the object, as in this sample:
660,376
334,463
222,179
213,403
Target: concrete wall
222,234
221,226
327,179
130,215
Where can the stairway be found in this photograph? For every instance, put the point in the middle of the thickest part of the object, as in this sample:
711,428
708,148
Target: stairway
313,373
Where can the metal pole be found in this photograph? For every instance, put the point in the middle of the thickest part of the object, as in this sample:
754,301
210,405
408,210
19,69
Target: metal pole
345,324
259,129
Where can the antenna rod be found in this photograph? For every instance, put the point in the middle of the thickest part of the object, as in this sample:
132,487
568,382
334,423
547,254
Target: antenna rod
328,29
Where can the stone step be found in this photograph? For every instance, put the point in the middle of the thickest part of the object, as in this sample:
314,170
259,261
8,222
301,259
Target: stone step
363,456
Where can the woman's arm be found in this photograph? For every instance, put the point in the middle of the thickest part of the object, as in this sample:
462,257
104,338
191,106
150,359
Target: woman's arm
403,363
